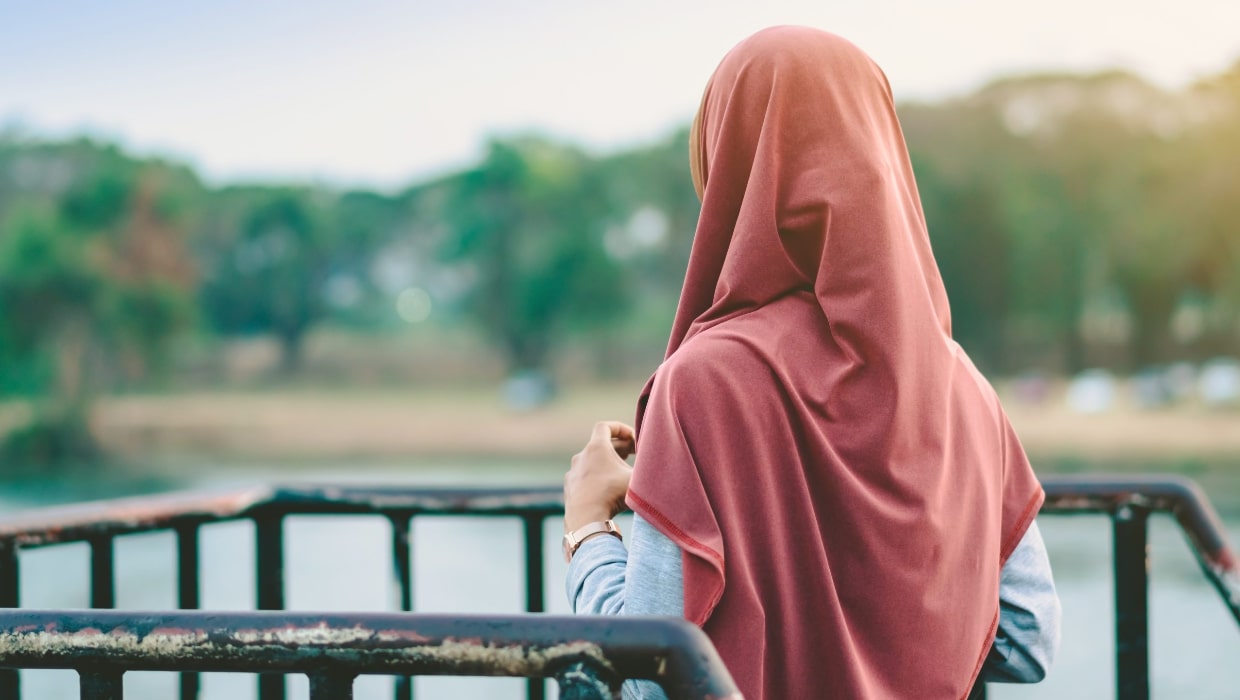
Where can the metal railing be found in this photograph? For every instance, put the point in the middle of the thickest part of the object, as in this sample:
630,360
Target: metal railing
1129,501
99,524
587,656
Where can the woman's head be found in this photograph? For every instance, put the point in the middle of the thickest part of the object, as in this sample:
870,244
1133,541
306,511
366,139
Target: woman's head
797,154
804,80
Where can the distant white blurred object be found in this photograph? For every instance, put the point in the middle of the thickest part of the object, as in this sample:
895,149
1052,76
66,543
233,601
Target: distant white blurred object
1181,380
1151,388
1092,391
413,305
1219,382
1032,387
527,390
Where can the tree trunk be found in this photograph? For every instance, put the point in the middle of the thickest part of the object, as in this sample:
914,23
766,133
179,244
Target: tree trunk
60,434
72,346
1152,308
292,351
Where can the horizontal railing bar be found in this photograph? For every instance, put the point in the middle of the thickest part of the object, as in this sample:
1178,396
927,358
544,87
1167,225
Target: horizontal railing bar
1181,497
499,501
1167,493
81,522
86,521
672,652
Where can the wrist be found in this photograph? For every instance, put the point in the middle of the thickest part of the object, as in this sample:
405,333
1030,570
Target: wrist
575,519
573,539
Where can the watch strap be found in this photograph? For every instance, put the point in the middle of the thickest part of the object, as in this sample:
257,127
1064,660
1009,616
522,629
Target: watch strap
573,540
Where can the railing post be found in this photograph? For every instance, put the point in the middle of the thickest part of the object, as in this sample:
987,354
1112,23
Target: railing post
188,591
10,588
102,685
1131,556
102,573
402,564
331,687
10,580
534,563
269,569
534,602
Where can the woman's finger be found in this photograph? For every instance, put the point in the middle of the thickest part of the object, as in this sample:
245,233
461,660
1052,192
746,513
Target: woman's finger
611,429
616,434
602,432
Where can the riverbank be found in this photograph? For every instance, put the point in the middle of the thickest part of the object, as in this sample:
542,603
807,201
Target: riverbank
472,423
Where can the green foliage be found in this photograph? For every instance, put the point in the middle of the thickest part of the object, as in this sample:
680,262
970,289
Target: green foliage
270,252
269,272
528,223
50,441
1074,219
656,179
45,272
1083,191
93,279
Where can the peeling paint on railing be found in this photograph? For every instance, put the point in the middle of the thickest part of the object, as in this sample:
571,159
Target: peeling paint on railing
345,647
605,650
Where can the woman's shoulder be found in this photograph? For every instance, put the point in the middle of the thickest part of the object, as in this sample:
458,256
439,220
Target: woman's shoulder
714,360
706,351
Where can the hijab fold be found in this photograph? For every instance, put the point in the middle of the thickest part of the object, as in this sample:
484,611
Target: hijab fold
841,480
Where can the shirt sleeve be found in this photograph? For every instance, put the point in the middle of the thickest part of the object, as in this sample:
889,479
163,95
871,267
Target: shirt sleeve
646,579
606,579
1029,616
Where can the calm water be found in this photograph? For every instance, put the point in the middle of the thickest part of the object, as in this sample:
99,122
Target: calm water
464,565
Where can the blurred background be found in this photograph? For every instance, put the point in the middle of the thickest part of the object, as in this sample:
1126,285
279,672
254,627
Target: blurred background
397,242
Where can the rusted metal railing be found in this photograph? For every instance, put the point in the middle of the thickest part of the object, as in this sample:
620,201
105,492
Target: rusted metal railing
588,656
99,524
1129,501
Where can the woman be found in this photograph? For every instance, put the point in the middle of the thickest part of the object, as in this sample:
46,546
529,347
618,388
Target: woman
823,480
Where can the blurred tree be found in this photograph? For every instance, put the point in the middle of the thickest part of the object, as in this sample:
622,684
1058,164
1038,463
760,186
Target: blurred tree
1209,202
1047,197
653,180
93,275
964,159
1076,178
362,224
1114,143
529,222
650,191
270,258
972,247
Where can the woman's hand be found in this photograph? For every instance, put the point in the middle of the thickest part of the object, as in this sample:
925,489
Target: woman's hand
595,486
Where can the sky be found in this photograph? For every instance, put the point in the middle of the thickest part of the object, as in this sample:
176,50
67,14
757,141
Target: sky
382,93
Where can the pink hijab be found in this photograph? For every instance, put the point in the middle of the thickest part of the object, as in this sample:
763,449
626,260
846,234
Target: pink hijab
842,481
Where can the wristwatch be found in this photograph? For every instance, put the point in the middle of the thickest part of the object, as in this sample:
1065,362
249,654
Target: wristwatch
573,540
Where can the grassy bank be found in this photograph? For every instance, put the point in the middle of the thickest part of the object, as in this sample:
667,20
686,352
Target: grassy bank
466,435
308,424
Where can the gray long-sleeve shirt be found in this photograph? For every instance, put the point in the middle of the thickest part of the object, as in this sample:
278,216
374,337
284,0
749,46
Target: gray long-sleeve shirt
605,578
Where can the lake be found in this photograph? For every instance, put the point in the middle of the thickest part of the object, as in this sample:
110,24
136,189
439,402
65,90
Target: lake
473,565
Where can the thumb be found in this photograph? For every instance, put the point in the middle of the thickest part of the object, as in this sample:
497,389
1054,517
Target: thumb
602,432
